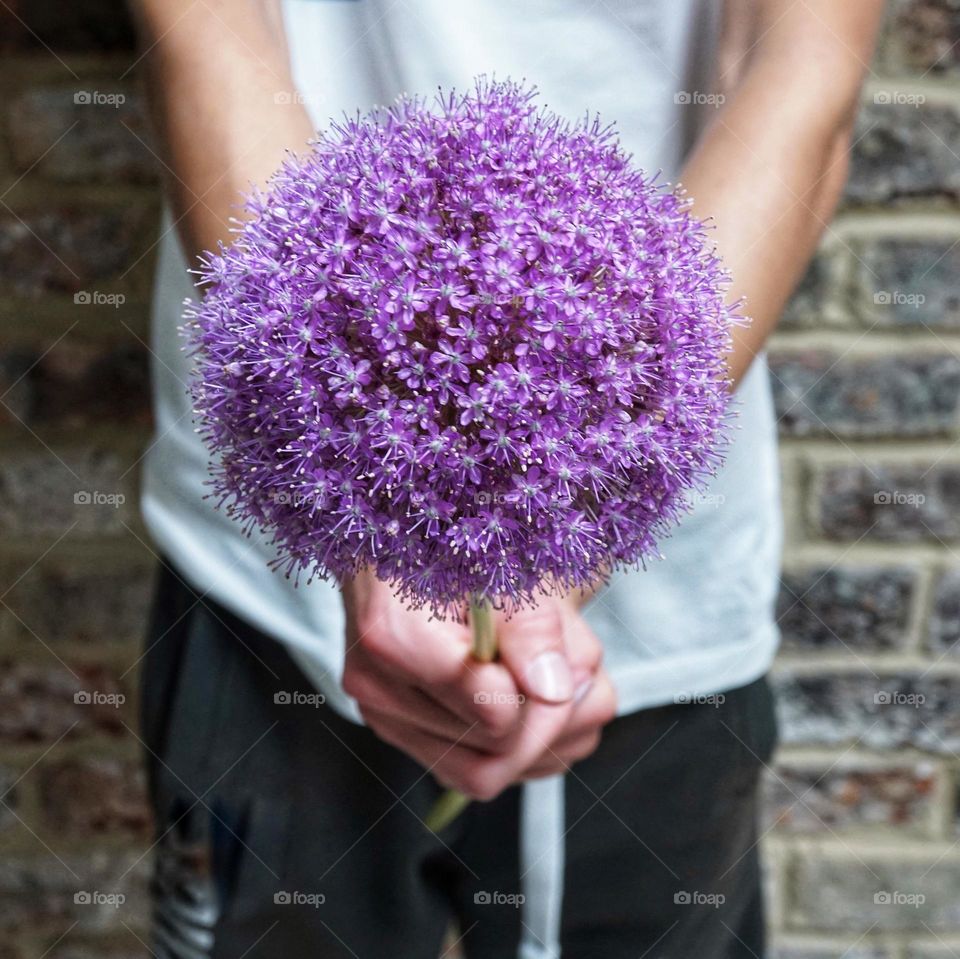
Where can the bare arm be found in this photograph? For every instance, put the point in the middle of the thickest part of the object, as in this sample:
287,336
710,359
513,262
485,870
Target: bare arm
771,166
217,74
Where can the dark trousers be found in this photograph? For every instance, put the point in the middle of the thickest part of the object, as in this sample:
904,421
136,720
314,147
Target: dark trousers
287,831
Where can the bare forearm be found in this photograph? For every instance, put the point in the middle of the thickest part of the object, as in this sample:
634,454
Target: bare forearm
215,70
770,168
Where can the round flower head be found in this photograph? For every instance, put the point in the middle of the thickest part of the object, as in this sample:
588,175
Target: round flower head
467,344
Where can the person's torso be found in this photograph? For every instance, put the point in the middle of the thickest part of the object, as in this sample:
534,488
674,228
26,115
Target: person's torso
643,64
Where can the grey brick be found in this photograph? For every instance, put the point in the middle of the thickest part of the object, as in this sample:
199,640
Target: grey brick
944,626
820,393
909,282
885,712
42,704
46,493
835,891
75,382
44,893
69,249
904,503
921,37
53,135
89,604
825,799
845,608
905,152
94,795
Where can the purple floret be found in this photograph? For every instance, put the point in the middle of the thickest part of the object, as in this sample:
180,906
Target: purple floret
468,344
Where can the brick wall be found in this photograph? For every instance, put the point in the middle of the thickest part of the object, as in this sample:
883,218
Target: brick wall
78,208
861,805
860,809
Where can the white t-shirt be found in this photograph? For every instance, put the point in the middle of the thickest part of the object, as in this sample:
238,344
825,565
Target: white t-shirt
695,623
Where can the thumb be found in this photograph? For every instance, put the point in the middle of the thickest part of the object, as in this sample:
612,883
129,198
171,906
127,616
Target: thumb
532,646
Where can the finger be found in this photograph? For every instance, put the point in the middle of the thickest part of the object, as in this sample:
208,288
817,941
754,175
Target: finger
476,774
441,666
391,701
409,643
597,707
453,765
583,731
584,649
484,693
541,724
533,647
402,702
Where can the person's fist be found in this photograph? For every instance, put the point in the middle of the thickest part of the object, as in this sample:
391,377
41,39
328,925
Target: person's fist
477,727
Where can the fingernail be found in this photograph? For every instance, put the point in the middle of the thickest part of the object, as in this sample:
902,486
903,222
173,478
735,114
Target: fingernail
581,691
549,678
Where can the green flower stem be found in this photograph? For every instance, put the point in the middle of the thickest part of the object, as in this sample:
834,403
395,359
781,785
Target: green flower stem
446,809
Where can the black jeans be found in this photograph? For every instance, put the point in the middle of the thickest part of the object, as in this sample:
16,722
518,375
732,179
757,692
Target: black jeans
286,830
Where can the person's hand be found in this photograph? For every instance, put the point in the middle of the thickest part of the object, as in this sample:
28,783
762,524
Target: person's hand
478,727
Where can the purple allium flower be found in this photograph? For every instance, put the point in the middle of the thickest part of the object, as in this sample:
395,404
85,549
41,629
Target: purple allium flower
465,343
